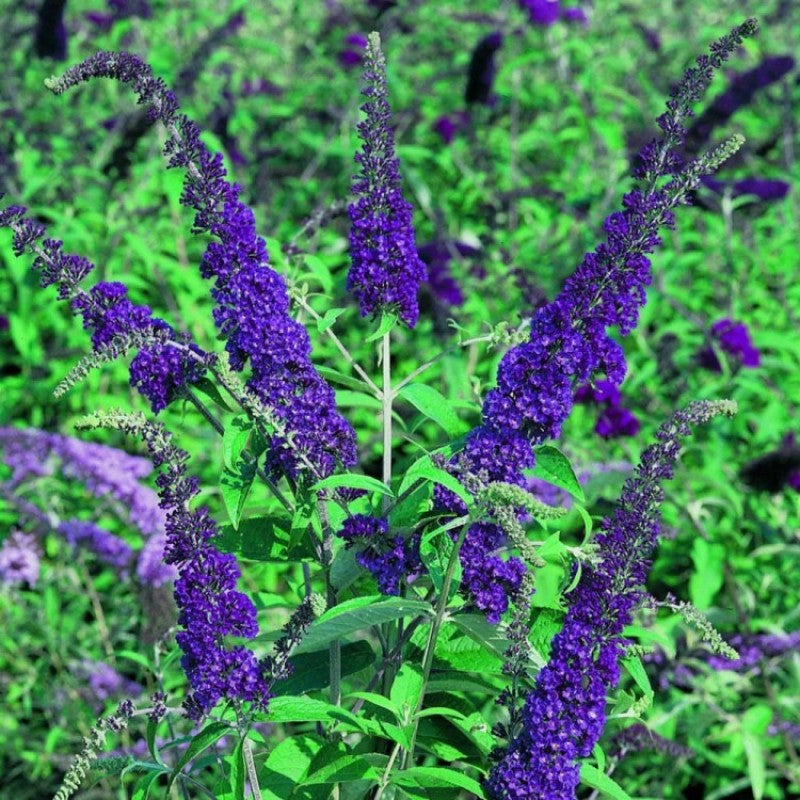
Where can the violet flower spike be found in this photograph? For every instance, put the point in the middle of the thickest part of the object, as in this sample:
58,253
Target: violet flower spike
569,343
385,270
564,715
252,303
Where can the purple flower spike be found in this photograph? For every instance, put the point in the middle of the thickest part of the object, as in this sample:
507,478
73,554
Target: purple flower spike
385,270
541,12
390,559
569,343
615,422
252,304
564,715
482,69
734,339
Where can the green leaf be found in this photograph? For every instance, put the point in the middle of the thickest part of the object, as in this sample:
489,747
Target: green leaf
307,709
334,376
352,481
343,769
425,469
208,388
328,318
633,665
141,790
438,777
287,764
707,578
234,439
150,738
435,550
263,539
378,700
311,671
351,399
554,467
434,405
484,633
595,779
235,486
345,570
756,764
388,321
213,732
359,614
238,772
407,689
406,512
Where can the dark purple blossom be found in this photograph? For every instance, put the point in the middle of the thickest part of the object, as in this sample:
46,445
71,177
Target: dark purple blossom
211,608
252,304
385,269
766,190
118,10
569,343
50,34
564,715
541,12
733,338
260,86
353,53
637,738
775,470
615,422
391,559
19,559
482,69
165,362
438,257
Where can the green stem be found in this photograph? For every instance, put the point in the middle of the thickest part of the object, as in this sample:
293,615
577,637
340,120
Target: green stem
301,301
430,646
250,765
420,369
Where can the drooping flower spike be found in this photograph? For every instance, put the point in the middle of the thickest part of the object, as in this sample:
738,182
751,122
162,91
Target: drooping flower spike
252,303
385,269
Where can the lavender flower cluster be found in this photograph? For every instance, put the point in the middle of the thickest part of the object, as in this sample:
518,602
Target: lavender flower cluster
106,473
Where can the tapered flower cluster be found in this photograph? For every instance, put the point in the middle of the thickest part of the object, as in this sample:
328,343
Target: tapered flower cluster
252,303
564,716
482,69
569,344
385,269
165,363
106,473
210,606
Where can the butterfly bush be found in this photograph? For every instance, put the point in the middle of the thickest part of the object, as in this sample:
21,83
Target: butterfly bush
563,353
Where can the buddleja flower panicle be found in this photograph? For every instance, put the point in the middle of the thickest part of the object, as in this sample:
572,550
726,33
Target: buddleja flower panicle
166,362
569,343
252,303
564,715
210,606
386,269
